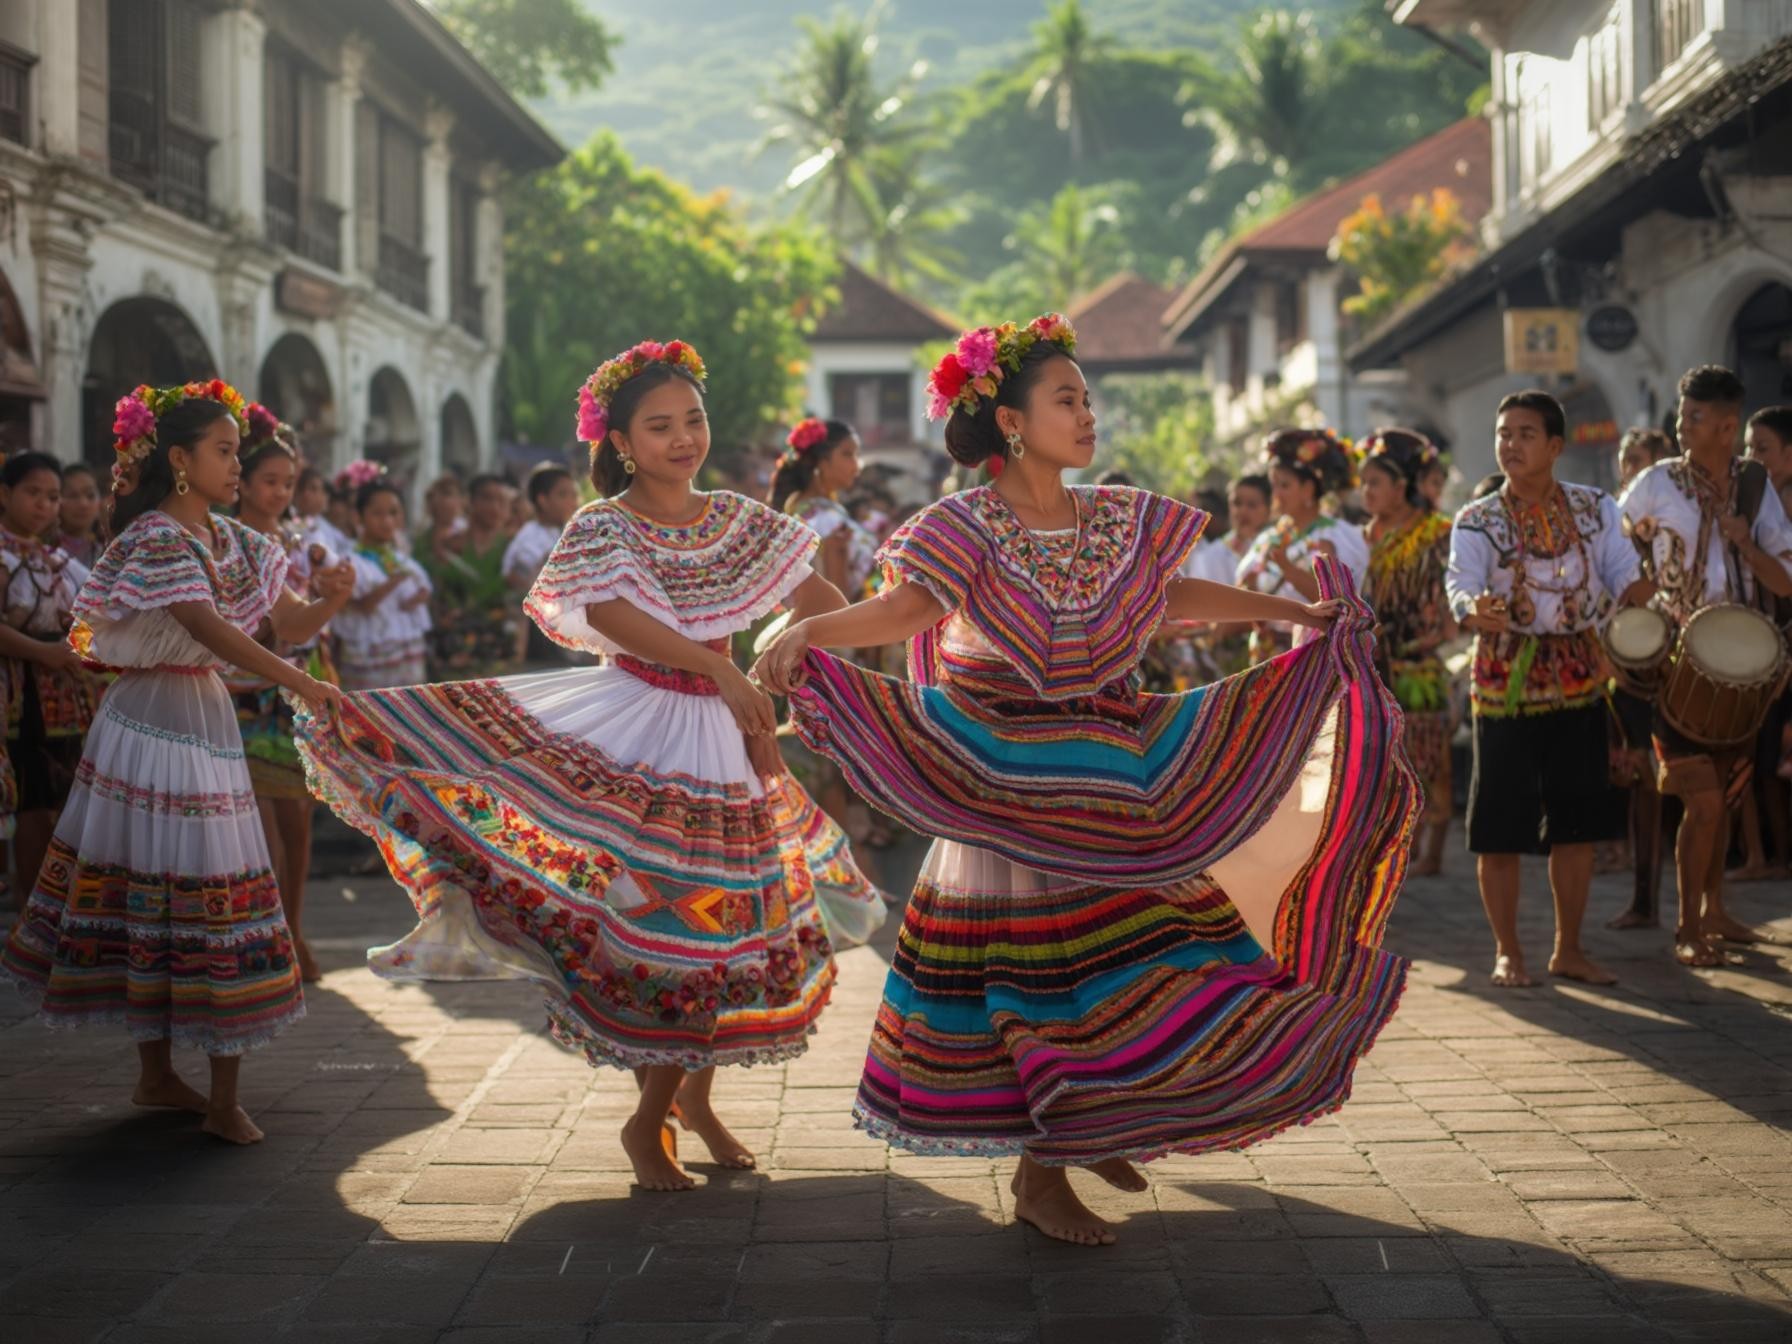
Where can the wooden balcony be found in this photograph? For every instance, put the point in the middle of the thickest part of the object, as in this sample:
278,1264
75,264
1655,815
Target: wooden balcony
167,163
403,272
303,224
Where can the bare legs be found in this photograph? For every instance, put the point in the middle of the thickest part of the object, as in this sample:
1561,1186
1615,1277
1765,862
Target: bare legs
223,1117
643,1137
697,1115
287,825
1043,1197
157,1082
1570,879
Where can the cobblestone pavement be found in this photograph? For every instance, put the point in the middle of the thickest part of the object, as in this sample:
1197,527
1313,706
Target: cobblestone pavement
1560,1164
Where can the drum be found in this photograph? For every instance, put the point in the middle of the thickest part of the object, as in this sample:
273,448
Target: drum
1638,641
1726,670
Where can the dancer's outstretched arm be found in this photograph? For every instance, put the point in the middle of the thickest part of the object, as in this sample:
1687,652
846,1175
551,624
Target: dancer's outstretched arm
1204,600
897,613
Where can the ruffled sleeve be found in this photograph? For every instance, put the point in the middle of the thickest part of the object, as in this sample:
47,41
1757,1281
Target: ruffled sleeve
269,562
1169,530
154,563
939,549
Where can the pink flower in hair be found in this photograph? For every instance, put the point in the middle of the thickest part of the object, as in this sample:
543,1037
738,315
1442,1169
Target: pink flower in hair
977,351
132,420
594,420
263,423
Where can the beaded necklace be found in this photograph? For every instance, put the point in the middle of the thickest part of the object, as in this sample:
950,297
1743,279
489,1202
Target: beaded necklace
1521,604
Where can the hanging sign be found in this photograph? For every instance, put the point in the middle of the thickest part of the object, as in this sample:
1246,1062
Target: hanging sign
1542,340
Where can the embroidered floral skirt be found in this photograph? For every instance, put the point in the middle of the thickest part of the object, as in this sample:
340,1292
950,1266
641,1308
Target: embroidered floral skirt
607,839
156,907
1150,924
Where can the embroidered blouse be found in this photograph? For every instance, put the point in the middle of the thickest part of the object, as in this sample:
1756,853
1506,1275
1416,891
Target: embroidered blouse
713,576
41,583
1072,612
121,616
1692,562
1261,575
389,622
824,517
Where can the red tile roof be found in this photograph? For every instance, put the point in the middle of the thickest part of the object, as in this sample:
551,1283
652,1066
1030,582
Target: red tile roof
1459,157
1120,326
869,310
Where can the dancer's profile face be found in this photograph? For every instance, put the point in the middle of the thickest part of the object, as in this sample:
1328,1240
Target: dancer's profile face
210,463
1294,493
669,435
1247,510
1057,425
1383,493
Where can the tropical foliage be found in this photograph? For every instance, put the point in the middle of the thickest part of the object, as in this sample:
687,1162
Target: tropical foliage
533,47
1393,256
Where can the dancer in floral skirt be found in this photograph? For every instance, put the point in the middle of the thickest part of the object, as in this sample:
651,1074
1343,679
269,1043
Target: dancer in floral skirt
623,835
1149,923
156,908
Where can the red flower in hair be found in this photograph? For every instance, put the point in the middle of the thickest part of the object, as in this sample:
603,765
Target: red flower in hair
950,377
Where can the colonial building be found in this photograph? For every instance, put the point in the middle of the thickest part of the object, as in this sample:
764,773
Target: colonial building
300,196
866,366
1642,188
1265,317
1120,330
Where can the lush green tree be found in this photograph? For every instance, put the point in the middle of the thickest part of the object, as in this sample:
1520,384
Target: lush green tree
530,46
601,254
1265,104
1393,256
1066,53
1156,428
838,114
907,242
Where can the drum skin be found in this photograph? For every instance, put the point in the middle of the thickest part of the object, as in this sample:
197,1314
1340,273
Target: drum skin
1638,641
1728,667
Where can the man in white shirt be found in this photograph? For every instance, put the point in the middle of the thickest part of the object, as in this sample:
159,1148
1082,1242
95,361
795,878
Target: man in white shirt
554,496
1716,533
1536,569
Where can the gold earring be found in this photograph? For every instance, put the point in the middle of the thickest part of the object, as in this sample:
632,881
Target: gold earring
628,465
1016,449
180,482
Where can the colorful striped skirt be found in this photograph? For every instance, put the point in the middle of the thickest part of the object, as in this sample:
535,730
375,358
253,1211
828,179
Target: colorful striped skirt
605,838
1150,924
156,907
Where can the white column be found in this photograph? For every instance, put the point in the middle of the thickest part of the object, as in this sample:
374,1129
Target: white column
56,78
1261,358
438,123
490,253
1323,330
233,51
340,100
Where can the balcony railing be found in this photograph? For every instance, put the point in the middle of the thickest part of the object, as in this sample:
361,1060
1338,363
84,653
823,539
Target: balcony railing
403,272
166,162
1677,23
15,90
302,224
469,309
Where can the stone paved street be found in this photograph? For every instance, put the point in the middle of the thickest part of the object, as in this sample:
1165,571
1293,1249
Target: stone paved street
1562,1164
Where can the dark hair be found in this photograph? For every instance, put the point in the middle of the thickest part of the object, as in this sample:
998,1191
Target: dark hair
266,451
180,426
1114,476
365,495
1652,441
482,480
1555,419
796,471
1776,418
308,475
1405,455
544,478
606,463
1712,384
1330,471
81,469
1489,485
1257,481
21,465
973,437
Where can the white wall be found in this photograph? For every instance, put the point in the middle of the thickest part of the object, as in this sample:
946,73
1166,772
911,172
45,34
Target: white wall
830,357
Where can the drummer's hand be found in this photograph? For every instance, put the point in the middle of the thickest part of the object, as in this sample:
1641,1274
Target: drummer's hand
1735,529
1489,616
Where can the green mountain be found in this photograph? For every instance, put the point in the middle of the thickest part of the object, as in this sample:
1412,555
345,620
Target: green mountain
690,76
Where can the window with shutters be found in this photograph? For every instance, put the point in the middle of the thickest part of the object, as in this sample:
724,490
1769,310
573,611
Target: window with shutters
463,256
298,216
156,134
15,90
389,203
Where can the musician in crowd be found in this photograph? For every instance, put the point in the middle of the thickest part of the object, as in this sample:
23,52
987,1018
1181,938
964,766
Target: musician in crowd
1769,442
1717,534
1536,569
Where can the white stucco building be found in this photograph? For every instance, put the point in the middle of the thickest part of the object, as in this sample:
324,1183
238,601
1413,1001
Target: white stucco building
300,196
1642,177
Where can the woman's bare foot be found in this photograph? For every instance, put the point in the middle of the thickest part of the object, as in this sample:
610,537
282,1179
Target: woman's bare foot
1579,966
1120,1174
172,1092
309,971
1758,872
1632,919
233,1126
654,1170
702,1121
1735,931
1509,973
1043,1197
1696,952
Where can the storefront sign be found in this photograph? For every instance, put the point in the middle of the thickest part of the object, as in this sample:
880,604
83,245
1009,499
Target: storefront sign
306,295
1612,328
1542,340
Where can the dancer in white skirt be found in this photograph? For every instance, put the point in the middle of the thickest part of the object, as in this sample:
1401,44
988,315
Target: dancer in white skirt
625,836
156,907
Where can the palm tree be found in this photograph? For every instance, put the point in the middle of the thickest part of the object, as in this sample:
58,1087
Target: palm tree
1268,108
1071,244
1065,49
838,118
914,213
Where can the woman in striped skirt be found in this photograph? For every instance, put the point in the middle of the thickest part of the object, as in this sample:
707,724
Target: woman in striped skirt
1149,923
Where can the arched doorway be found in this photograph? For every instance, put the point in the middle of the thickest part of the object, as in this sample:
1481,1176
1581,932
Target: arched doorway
295,385
393,435
460,437
140,340
20,387
1761,346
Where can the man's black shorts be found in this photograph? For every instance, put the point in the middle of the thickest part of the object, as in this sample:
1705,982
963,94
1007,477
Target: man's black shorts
1541,780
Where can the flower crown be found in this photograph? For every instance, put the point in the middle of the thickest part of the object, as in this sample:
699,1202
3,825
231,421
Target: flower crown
1319,453
600,389
263,425
1409,451
807,433
357,474
985,356
134,421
